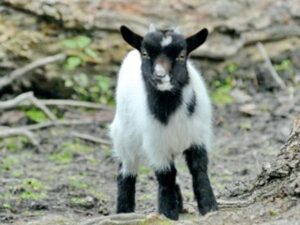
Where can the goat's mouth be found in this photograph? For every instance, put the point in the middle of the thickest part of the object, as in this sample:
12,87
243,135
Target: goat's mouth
163,83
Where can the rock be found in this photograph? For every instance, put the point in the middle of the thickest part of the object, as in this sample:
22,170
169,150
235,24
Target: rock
249,109
240,96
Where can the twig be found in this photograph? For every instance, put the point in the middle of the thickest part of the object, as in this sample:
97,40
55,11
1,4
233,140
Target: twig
63,123
28,96
89,137
67,102
269,65
7,132
9,78
235,203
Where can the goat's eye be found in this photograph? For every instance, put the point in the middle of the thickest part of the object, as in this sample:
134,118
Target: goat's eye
145,54
180,57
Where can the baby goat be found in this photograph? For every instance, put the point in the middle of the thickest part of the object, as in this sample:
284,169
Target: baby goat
163,110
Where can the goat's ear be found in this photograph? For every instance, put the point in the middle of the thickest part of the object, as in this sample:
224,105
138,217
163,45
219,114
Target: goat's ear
131,38
196,40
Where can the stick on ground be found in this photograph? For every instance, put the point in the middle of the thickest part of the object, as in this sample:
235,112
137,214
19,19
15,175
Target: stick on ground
269,66
28,96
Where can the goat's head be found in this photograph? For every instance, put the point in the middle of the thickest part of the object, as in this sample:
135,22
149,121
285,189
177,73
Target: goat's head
164,55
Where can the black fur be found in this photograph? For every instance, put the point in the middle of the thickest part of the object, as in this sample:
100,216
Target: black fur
130,37
162,104
197,161
169,195
126,193
196,40
192,105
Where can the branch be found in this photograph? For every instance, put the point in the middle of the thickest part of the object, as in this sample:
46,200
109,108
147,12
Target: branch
91,138
235,203
7,132
269,65
28,96
67,102
64,123
9,78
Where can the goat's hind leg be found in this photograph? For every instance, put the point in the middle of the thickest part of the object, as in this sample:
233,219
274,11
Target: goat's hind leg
126,191
169,196
196,158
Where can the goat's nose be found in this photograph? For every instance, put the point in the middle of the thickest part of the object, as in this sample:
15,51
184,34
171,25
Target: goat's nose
160,70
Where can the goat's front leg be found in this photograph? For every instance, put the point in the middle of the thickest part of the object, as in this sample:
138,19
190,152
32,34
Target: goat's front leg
197,160
126,191
169,195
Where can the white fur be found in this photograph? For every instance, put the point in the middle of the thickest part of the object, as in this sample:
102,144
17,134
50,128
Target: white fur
166,41
138,137
160,70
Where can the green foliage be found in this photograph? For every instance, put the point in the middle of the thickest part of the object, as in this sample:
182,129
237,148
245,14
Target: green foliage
95,88
285,65
72,63
221,93
231,68
77,42
79,52
35,115
6,206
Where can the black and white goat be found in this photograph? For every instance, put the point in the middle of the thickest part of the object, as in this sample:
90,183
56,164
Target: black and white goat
163,110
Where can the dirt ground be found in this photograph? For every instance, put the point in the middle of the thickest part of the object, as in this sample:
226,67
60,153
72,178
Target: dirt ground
70,181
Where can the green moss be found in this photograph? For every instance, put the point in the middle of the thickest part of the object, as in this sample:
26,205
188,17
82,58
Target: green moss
33,184
64,154
7,163
64,157
83,202
156,220
77,182
272,212
17,173
14,144
245,125
30,195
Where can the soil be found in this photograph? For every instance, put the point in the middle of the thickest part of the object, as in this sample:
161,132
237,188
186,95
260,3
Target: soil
79,184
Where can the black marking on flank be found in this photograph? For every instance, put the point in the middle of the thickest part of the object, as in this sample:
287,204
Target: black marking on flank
191,105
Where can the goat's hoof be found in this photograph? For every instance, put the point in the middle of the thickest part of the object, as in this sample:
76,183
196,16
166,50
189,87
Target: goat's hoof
209,206
173,215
